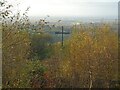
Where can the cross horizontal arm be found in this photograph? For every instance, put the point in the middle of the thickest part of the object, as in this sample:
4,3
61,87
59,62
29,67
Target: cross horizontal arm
62,33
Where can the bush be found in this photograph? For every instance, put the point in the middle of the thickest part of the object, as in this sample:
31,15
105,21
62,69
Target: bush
18,71
15,51
92,55
40,46
37,74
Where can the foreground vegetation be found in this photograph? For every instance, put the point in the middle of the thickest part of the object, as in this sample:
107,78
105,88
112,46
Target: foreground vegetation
88,59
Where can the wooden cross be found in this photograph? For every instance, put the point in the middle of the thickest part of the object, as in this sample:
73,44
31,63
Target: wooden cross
62,34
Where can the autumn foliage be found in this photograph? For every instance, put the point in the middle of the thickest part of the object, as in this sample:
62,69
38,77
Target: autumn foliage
88,59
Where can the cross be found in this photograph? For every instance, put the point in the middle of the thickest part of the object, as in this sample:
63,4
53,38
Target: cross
62,34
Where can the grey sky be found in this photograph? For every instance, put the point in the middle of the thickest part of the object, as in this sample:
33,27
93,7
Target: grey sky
92,8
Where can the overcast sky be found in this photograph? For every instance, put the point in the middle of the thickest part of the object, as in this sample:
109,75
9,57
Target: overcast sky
92,8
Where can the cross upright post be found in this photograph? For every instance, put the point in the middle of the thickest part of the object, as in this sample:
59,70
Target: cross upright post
62,36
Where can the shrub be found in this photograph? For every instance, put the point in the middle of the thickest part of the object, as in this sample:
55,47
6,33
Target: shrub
15,49
92,56
40,46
